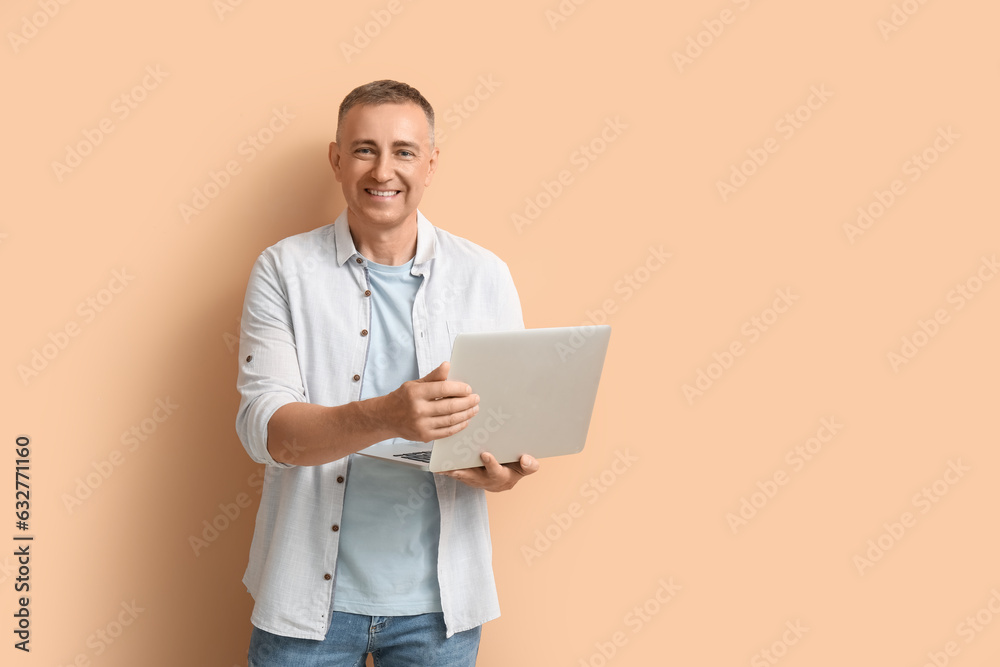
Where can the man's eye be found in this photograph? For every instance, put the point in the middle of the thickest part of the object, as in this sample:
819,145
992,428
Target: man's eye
364,151
406,153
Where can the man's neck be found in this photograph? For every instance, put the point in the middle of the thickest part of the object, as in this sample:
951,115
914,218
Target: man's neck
391,246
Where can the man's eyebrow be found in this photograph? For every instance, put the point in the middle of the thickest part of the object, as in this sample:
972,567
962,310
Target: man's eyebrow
396,144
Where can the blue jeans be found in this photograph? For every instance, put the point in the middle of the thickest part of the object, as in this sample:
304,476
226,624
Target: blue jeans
393,641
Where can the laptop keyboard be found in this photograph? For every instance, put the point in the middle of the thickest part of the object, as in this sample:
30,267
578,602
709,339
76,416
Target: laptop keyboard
423,457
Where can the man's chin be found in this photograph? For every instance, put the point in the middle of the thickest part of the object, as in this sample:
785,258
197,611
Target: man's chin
377,216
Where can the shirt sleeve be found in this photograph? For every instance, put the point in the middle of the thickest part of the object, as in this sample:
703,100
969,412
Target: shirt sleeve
269,374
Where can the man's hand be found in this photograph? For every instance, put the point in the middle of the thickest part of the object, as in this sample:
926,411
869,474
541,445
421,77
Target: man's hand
495,477
429,408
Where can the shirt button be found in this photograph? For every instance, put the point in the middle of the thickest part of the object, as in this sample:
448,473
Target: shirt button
327,577
356,377
368,292
336,528
249,358
340,480
364,332
359,260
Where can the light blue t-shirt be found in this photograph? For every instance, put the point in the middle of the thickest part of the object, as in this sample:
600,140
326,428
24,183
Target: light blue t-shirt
387,563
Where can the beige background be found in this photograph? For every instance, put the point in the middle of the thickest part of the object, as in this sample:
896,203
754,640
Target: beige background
169,334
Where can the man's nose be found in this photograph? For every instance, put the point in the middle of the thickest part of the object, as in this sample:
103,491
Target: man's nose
382,169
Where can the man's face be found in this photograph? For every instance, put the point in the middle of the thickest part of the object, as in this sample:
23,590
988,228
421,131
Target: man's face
384,161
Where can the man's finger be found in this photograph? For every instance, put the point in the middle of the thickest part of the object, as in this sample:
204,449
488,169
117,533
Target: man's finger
438,374
464,407
493,468
449,423
445,389
462,416
433,390
528,464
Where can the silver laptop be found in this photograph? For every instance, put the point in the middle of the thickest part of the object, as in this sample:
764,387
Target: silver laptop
536,389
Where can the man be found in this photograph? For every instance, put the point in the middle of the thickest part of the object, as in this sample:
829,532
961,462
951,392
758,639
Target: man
345,335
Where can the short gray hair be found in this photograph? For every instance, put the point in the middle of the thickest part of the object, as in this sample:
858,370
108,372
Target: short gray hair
385,91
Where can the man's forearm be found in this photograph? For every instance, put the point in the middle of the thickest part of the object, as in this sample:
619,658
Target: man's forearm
306,434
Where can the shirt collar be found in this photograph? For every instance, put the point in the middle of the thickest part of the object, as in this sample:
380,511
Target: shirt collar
426,240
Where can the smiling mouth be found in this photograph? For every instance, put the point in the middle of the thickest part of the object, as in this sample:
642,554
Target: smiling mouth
382,193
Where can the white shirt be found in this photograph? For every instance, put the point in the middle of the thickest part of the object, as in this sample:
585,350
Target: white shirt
304,338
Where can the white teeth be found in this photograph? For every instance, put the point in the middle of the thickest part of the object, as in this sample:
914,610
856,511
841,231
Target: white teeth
383,193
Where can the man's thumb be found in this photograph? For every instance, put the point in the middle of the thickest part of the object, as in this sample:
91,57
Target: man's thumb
438,374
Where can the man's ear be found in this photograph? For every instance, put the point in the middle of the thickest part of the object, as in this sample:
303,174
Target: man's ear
432,166
334,155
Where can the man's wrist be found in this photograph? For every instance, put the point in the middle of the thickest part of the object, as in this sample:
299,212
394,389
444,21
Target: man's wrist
375,415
